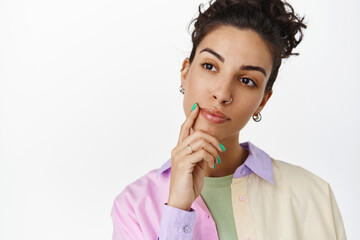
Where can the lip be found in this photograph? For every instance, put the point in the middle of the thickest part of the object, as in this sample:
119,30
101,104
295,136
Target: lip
215,112
214,115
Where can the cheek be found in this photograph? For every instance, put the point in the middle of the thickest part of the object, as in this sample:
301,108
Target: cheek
192,93
186,105
195,82
245,108
247,105
194,90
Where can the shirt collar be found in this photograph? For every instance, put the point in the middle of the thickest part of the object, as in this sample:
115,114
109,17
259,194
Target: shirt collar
257,161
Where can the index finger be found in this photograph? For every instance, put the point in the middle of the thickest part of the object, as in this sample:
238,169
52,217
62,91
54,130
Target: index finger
188,123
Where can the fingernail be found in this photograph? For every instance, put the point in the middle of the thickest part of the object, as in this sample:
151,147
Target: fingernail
214,165
194,106
219,160
222,147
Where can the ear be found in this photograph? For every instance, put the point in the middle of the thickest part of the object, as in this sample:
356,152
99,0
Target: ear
184,72
264,101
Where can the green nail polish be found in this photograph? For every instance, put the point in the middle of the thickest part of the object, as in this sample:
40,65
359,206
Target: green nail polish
222,147
214,165
194,106
219,160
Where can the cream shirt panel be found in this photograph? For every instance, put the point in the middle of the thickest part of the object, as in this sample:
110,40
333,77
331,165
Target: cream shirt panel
299,205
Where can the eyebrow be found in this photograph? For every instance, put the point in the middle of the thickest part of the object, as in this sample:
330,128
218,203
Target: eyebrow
243,67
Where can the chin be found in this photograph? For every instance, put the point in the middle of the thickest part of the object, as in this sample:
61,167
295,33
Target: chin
212,129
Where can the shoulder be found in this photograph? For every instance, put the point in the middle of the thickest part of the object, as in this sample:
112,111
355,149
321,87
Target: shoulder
301,180
295,172
136,210
150,186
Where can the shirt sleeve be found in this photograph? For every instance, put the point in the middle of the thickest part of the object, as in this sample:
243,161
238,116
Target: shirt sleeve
176,223
338,222
125,224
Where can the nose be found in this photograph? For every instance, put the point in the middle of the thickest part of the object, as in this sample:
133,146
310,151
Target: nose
223,94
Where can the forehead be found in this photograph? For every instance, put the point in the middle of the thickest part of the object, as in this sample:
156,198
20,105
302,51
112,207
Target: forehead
238,46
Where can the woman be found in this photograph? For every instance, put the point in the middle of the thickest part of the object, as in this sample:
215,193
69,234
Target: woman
213,187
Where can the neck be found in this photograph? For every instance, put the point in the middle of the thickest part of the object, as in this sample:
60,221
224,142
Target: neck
231,159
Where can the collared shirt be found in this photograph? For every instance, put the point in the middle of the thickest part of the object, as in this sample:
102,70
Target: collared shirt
271,199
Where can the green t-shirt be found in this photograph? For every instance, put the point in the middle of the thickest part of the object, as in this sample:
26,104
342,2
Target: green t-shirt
217,196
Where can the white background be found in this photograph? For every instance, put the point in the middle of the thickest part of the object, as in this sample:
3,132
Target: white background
89,103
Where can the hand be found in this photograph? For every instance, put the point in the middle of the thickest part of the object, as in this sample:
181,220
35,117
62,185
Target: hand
187,167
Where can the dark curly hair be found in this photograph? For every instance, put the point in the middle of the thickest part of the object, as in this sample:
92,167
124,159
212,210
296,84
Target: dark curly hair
274,20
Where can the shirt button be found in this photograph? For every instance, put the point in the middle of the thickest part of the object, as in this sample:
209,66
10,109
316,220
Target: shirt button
243,172
242,198
187,228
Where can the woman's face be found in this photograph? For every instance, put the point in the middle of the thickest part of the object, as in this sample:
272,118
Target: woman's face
228,63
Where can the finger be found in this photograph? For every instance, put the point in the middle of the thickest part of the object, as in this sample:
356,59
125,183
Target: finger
201,164
197,157
199,134
199,144
192,130
188,123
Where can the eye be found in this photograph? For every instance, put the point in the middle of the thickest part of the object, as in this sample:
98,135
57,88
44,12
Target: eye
248,81
208,66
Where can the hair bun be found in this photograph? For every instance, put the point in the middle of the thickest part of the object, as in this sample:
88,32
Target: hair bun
282,14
